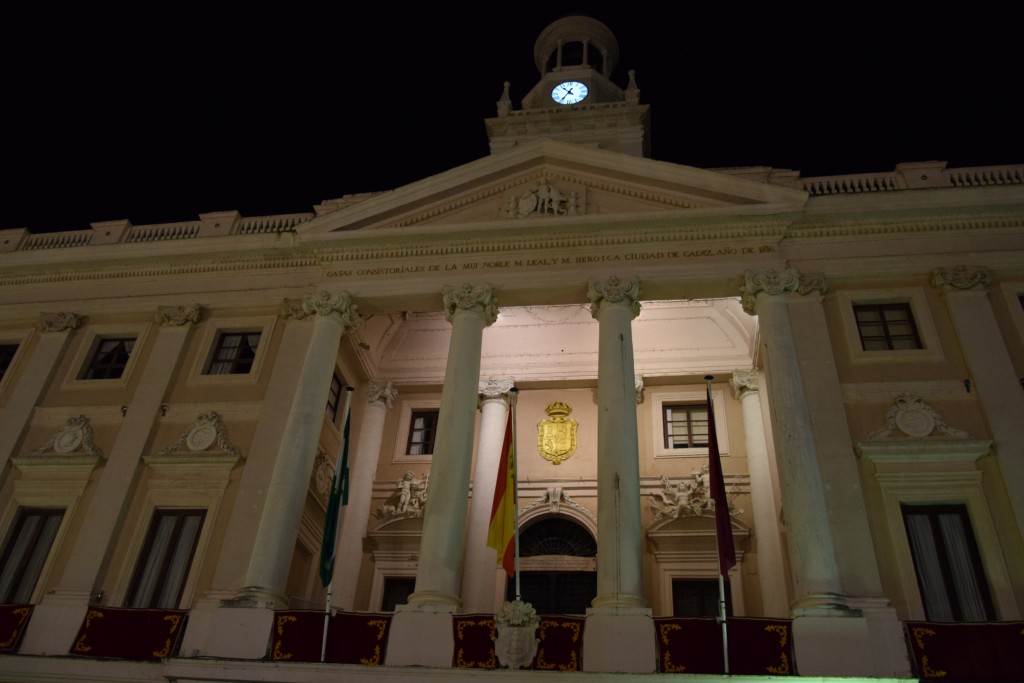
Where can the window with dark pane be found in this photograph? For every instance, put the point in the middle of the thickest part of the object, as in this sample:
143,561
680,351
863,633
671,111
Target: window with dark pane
109,359
885,327
556,592
422,430
166,558
7,352
334,397
25,553
685,425
698,598
947,563
234,353
397,590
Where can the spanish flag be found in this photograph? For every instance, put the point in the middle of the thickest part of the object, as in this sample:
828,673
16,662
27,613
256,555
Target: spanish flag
501,534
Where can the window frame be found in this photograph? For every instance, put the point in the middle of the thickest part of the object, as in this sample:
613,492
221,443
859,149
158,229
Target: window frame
1014,294
407,408
334,394
19,338
18,584
931,512
212,330
429,431
916,298
886,324
95,335
217,353
688,409
695,397
180,515
93,359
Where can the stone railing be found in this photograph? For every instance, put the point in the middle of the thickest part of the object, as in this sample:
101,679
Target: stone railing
911,176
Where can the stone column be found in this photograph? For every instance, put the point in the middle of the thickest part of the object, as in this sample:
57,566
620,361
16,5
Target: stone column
55,330
991,368
356,514
57,617
811,547
619,535
481,566
469,309
770,564
421,632
286,493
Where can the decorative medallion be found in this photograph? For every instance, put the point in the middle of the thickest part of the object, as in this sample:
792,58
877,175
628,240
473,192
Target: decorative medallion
915,418
74,435
544,200
556,436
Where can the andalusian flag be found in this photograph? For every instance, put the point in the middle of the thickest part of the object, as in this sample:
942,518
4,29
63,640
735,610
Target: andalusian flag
338,498
501,534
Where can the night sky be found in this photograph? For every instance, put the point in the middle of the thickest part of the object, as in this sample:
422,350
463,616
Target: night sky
156,112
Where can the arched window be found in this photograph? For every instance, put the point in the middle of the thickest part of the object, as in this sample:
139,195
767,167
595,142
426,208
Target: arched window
558,570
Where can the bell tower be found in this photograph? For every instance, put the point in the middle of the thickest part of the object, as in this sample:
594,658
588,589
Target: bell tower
575,99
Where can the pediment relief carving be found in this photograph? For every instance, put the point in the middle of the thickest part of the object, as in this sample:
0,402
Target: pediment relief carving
74,438
911,417
206,436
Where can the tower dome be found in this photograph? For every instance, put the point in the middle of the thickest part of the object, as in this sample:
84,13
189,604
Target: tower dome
576,41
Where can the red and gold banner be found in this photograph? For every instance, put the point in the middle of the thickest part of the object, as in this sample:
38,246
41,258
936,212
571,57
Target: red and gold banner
352,637
694,646
123,633
958,653
13,620
474,641
561,644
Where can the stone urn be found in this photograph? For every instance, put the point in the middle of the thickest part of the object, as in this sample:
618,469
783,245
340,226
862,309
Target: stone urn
516,644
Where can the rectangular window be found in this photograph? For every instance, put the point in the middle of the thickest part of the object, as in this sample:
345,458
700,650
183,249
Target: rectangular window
334,397
234,353
109,359
886,327
397,590
685,425
947,563
422,429
166,558
7,352
25,553
698,598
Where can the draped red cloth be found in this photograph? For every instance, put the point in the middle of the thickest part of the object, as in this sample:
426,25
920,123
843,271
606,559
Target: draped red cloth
756,646
967,652
474,641
123,633
352,637
13,620
561,644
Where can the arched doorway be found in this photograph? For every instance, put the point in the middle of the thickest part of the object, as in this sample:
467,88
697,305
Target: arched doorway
558,567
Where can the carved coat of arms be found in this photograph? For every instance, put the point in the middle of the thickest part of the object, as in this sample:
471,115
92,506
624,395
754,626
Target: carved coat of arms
556,436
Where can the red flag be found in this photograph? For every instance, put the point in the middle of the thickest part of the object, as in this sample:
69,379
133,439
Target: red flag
501,533
716,480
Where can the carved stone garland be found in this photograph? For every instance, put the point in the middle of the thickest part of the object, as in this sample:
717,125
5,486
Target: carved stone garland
74,435
686,499
915,418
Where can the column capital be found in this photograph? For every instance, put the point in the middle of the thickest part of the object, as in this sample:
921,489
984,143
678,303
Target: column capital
614,291
743,382
778,283
179,316
323,304
467,297
58,322
961,277
496,388
382,392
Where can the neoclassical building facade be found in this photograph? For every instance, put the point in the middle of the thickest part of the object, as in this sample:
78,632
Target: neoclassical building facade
173,402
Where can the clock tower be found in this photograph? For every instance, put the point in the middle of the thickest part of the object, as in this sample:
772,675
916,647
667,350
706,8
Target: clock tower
575,99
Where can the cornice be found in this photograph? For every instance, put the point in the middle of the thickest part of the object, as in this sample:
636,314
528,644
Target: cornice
920,222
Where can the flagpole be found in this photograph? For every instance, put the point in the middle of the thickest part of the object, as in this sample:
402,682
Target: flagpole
340,479
718,541
514,395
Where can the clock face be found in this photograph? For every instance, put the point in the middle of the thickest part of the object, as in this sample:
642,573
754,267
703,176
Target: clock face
569,92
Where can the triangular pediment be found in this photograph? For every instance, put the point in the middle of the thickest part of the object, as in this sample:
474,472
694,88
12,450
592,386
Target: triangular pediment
550,182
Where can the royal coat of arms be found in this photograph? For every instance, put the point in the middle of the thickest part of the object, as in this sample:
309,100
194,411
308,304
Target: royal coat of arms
556,436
